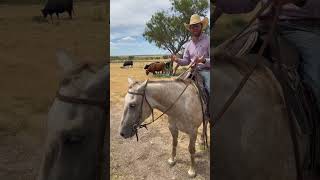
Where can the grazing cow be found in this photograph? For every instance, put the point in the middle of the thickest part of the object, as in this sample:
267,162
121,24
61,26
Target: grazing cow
147,65
57,6
155,67
128,63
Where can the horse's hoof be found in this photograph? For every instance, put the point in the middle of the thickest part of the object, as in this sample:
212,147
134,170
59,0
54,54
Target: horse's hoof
171,162
192,173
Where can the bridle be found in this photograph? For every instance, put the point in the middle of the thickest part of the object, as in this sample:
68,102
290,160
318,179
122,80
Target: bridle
82,101
136,125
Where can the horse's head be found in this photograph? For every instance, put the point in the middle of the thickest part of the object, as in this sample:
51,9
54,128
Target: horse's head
136,108
76,123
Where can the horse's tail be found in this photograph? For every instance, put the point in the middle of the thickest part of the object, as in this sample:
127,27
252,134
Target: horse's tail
204,131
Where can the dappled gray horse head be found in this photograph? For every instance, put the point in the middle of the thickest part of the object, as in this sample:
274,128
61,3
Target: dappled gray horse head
136,108
76,123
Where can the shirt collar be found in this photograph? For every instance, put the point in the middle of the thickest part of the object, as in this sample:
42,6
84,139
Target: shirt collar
200,38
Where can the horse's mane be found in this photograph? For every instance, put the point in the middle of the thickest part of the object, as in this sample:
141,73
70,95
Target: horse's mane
177,80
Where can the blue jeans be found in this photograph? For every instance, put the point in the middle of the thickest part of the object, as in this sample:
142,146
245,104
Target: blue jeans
206,77
306,38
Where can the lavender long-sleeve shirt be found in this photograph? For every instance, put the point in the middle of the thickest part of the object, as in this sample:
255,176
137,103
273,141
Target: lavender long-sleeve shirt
310,10
197,49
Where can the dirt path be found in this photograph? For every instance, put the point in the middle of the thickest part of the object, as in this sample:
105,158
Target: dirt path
147,159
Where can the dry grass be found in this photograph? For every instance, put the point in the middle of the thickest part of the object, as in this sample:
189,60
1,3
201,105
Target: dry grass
29,74
119,78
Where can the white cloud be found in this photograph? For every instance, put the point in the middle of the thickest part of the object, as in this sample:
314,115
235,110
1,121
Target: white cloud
129,12
127,38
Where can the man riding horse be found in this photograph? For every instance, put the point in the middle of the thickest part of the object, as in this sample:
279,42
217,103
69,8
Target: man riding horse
197,49
299,24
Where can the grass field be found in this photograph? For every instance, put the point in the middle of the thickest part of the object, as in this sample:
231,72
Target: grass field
29,75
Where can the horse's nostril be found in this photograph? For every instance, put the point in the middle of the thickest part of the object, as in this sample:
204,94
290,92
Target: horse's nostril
122,134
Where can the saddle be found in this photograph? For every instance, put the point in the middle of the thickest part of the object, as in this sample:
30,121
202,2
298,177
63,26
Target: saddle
283,60
198,82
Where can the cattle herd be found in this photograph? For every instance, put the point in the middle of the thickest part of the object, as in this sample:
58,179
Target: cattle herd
154,67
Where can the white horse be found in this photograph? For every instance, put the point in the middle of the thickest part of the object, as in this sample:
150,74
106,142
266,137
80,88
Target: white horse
76,124
184,113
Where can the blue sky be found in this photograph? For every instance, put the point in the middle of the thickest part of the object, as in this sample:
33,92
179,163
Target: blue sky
127,23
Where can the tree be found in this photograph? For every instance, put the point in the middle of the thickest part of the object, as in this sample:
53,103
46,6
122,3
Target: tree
166,29
131,57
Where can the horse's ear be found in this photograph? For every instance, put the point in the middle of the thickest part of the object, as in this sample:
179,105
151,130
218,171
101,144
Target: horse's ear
99,86
131,81
64,60
144,82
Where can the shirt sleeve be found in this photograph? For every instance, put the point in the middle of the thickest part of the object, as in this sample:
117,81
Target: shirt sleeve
236,6
186,58
207,63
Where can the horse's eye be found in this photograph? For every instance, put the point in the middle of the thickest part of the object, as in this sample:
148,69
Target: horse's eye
132,105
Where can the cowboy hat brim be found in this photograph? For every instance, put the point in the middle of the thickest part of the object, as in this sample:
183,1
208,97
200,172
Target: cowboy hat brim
204,22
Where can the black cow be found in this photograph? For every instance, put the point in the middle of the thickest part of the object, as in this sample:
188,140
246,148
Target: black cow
128,63
57,6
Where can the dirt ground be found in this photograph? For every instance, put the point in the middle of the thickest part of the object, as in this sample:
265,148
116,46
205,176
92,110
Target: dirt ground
147,158
29,75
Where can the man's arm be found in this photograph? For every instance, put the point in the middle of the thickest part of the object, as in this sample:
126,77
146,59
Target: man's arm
186,58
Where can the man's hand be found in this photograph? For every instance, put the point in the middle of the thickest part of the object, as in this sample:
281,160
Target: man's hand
199,60
173,58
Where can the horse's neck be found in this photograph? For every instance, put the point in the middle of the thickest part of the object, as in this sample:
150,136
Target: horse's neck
261,87
161,95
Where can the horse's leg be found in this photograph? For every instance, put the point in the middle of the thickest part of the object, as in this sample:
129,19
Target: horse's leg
192,150
174,132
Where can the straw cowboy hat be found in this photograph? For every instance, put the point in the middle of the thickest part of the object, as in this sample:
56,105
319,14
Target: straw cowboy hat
195,19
